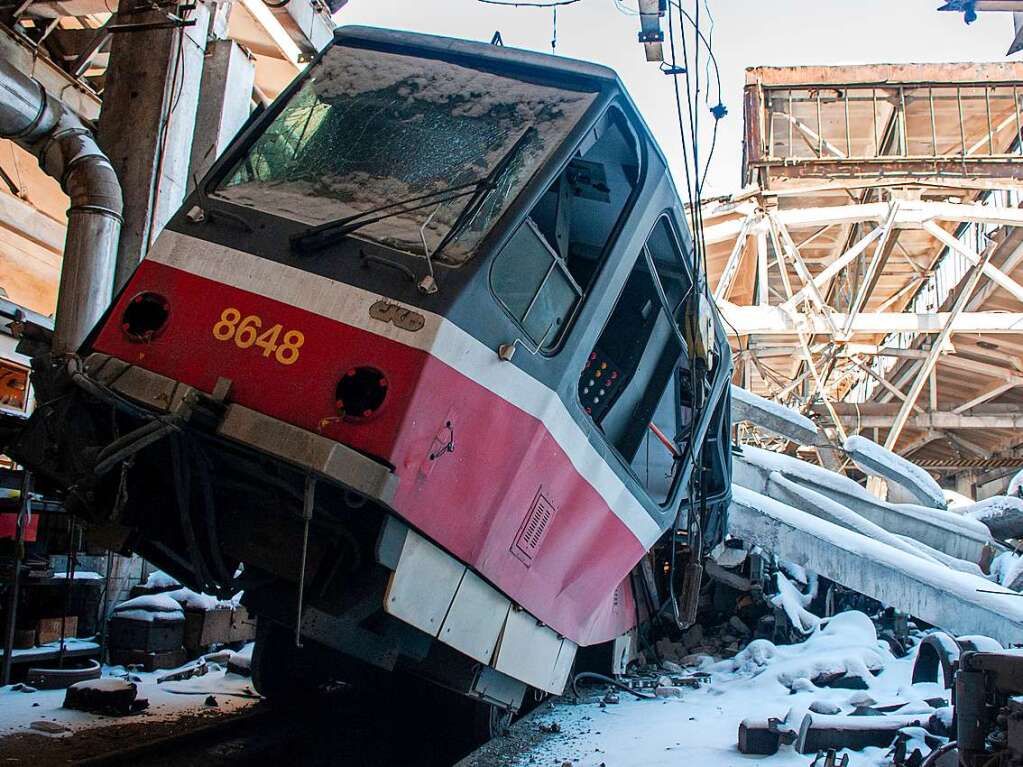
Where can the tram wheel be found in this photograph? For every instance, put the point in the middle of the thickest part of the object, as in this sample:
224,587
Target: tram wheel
280,670
490,721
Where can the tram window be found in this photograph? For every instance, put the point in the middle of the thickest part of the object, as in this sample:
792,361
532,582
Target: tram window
535,286
555,253
635,383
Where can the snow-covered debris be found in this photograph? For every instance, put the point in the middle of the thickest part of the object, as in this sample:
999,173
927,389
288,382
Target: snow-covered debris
957,500
149,608
1016,484
794,603
107,695
1007,570
953,534
1002,515
191,600
158,580
820,505
772,417
763,681
930,591
878,461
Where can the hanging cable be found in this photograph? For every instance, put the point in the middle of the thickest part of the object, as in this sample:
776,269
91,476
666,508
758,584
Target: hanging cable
517,4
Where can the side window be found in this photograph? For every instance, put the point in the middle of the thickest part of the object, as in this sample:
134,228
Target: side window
546,267
635,385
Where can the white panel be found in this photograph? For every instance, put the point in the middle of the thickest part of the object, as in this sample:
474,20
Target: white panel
528,651
563,667
421,589
474,622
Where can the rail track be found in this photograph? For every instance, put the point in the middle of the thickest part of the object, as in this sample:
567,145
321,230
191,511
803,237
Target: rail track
348,727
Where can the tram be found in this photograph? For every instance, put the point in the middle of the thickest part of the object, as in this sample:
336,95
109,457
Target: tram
423,366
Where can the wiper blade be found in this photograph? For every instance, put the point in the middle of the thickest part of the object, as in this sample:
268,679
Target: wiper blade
324,235
485,186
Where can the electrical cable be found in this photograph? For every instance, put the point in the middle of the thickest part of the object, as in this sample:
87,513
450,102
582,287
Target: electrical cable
518,4
607,680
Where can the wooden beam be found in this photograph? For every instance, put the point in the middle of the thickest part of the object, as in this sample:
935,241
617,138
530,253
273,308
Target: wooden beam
940,420
988,394
960,303
772,321
23,219
990,270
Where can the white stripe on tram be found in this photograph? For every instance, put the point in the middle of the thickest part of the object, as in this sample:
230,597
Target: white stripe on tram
439,337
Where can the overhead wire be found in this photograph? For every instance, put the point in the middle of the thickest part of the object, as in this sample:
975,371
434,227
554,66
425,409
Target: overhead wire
520,4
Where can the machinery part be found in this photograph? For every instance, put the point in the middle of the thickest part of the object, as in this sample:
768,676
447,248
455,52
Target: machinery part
937,649
820,732
282,672
988,718
607,680
67,150
61,678
934,757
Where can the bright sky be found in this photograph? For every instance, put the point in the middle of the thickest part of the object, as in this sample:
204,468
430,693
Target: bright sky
745,33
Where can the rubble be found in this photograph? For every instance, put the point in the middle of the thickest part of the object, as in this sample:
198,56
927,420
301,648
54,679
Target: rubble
104,696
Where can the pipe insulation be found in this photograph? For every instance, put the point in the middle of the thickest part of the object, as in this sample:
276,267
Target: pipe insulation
67,150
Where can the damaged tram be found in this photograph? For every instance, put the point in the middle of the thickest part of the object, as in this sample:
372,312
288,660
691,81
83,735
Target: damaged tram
422,366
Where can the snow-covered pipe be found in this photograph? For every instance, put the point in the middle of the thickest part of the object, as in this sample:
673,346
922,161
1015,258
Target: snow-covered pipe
67,150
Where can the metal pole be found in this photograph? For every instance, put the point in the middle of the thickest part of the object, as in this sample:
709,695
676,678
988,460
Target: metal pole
25,508
307,515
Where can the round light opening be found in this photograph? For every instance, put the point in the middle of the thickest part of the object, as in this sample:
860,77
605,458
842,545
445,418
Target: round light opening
360,393
145,316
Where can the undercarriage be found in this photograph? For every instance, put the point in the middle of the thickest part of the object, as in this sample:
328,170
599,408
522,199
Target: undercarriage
225,499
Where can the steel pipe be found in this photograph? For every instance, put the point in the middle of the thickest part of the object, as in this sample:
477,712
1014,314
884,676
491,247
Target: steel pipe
67,151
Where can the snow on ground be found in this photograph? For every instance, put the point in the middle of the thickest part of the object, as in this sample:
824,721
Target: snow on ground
762,681
167,700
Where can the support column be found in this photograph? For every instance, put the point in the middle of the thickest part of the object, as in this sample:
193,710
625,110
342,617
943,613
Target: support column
225,101
147,121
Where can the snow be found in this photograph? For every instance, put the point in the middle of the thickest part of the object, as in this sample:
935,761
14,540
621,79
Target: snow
158,580
1002,514
799,422
875,460
794,603
1006,568
959,586
764,680
149,608
956,500
822,479
81,575
167,701
70,643
103,684
844,516
1016,484
192,600
148,616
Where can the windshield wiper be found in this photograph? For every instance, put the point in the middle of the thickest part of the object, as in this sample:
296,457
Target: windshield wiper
317,238
486,185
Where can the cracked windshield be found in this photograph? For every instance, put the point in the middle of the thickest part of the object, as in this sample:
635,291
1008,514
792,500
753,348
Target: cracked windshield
371,129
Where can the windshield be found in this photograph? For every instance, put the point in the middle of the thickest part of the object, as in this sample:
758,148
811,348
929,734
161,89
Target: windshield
370,128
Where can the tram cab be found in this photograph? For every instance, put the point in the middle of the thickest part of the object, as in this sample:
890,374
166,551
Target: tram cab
412,368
